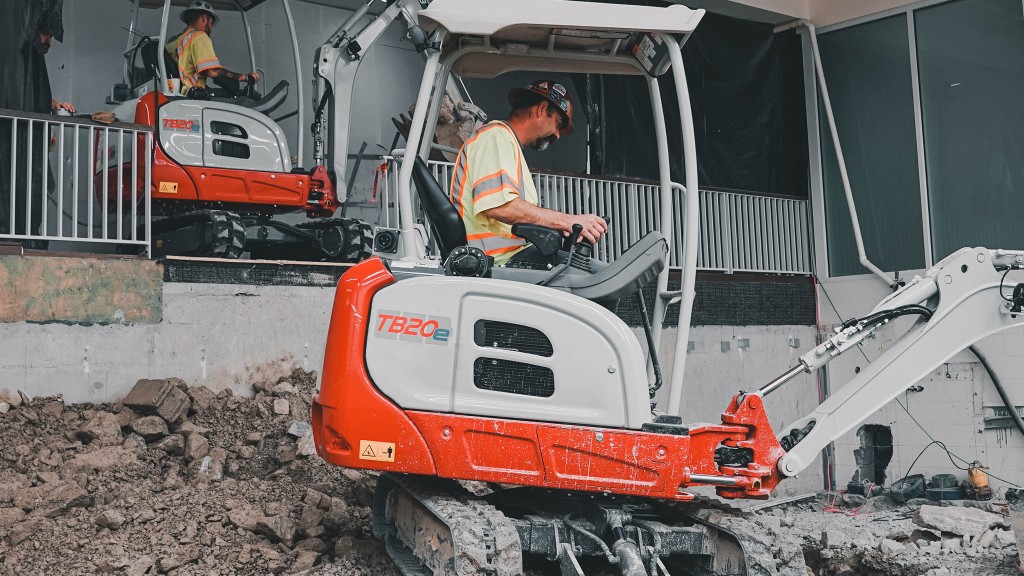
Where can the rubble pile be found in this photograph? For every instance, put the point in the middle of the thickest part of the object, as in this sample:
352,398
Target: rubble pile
847,535
179,480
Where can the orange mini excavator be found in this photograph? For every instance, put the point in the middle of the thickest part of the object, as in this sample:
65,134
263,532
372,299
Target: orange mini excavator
511,412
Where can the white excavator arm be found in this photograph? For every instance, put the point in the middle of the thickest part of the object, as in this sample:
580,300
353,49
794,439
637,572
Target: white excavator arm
962,299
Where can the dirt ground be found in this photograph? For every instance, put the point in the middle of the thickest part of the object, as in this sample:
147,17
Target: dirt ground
232,485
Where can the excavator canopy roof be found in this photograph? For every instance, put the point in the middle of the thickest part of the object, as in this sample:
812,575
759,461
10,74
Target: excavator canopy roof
524,34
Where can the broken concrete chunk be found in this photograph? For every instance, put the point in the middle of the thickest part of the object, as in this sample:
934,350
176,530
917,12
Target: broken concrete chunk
161,397
103,428
311,517
173,444
246,518
11,397
344,547
305,560
952,545
298,429
10,516
957,520
284,389
126,416
305,446
103,458
110,519
212,466
201,397
150,427
55,498
1004,538
4,407
986,539
278,528
184,555
890,547
281,406
139,566
196,447
23,530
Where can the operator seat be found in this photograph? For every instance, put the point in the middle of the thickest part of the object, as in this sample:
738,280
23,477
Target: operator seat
445,221
630,272
148,52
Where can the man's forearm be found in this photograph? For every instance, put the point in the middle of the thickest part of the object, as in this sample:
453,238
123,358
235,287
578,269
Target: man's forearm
519,211
224,73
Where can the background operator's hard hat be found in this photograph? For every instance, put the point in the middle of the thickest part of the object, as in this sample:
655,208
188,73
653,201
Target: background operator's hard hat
550,91
198,6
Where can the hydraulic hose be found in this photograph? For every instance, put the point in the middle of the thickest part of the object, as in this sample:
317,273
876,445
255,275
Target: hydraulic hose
999,388
650,342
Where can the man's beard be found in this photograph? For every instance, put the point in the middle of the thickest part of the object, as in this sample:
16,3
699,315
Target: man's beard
541,144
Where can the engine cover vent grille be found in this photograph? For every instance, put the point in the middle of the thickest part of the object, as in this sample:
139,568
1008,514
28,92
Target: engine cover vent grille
513,377
506,336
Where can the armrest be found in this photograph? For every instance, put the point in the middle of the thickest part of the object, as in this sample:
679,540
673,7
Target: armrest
547,240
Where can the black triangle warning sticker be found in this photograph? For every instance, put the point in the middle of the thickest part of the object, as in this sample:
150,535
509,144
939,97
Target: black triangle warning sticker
369,452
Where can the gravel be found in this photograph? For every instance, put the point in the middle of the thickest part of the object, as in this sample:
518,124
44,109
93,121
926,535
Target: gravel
95,489
187,481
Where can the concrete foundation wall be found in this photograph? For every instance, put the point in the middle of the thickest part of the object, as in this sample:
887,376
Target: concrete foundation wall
80,290
950,408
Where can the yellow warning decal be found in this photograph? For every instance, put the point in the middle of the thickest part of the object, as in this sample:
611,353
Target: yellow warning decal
379,451
168,187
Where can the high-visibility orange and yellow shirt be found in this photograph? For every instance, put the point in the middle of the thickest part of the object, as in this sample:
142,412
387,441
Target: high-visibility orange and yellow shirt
490,171
193,51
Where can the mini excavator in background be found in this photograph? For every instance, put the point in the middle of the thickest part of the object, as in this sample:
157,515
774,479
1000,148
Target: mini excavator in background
222,173
511,412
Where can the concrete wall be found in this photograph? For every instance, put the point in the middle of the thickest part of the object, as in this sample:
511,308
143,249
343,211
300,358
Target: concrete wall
952,406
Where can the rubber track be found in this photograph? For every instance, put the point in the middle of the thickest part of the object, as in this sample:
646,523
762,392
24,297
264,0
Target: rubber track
229,235
358,237
484,540
229,232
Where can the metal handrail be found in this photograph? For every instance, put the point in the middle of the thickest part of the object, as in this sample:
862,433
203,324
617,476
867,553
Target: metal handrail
739,232
71,193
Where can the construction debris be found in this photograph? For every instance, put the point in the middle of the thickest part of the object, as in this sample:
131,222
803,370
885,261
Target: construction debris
178,480
182,480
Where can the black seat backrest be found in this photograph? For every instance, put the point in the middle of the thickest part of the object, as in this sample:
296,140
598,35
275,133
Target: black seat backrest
148,51
445,222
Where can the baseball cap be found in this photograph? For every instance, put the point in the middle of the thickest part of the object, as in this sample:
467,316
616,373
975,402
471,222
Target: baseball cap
550,91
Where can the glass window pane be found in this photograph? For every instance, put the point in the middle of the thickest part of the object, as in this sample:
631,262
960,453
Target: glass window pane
867,68
971,61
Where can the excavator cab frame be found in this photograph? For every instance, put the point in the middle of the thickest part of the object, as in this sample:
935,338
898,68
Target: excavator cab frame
473,41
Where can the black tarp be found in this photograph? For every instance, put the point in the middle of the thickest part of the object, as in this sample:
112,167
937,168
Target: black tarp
24,86
746,91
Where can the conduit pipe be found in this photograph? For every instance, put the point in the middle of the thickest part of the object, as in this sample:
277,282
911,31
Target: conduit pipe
854,220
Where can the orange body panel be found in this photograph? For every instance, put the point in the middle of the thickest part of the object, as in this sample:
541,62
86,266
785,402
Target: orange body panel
350,409
248,187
